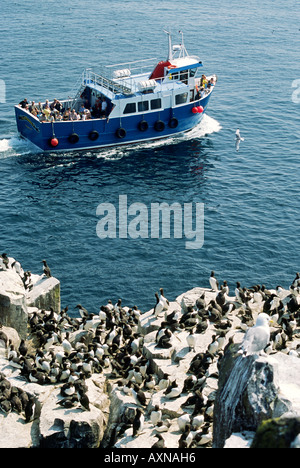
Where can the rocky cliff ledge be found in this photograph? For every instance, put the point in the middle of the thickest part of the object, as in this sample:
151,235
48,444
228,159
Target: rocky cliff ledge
174,376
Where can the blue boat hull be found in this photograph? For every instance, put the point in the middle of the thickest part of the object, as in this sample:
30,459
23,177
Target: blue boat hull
106,131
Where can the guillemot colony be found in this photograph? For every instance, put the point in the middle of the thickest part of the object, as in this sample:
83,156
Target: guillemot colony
161,378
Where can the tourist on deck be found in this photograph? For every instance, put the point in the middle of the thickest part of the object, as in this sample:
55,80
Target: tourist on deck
203,82
211,83
66,114
103,107
82,110
96,110
74,115
47,111
86,115
33,109
23,103
56,105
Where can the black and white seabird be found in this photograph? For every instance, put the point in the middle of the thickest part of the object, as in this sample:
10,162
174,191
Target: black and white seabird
84,401
173,391
23,348
155,415
82,311
159,306
138,422
5,260
46,269
5,406
191,340
296,281
30,409
213,282
160,443
163,299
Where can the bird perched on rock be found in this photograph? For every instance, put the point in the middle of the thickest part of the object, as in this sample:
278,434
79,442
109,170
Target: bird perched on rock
139,395
84,401
46,269
30,409
258,336
213,346
159,306
164,382
164,300
5,260
204,437
239,293
191,340
296,281
160,442
82,311
163,425
16,266
15,400
173,391
220,297
198,419
213,282
138,422
3,337
200,302
189,383
68,402
155,415
67,347
5,406
165,340
201,326
183,421
23,348
186,438
226,287
215,314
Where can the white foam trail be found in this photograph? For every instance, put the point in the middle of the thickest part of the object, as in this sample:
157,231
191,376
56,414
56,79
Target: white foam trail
207,126
15,146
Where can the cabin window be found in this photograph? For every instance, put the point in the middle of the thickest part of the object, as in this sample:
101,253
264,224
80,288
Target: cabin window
155,104
181,98
143,106
184,76
130,108
193,72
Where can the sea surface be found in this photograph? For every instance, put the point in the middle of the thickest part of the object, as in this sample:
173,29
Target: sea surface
48,202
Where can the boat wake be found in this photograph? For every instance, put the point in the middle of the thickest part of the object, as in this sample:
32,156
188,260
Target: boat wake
12,146
207,126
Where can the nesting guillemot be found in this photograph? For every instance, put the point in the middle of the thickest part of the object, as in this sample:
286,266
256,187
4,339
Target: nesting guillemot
46,269
138,422
213,282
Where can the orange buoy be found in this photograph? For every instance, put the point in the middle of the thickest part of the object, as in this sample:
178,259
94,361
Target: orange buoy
200,109
195,110
53,141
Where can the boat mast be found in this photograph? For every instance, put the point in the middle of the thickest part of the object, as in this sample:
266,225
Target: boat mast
170,54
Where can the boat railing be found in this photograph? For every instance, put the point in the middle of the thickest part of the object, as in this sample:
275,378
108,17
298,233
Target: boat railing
90,77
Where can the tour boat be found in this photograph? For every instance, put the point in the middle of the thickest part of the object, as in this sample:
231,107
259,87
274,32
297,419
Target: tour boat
130,103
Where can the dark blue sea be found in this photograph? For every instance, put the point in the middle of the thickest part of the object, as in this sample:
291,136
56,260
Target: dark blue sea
251,196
